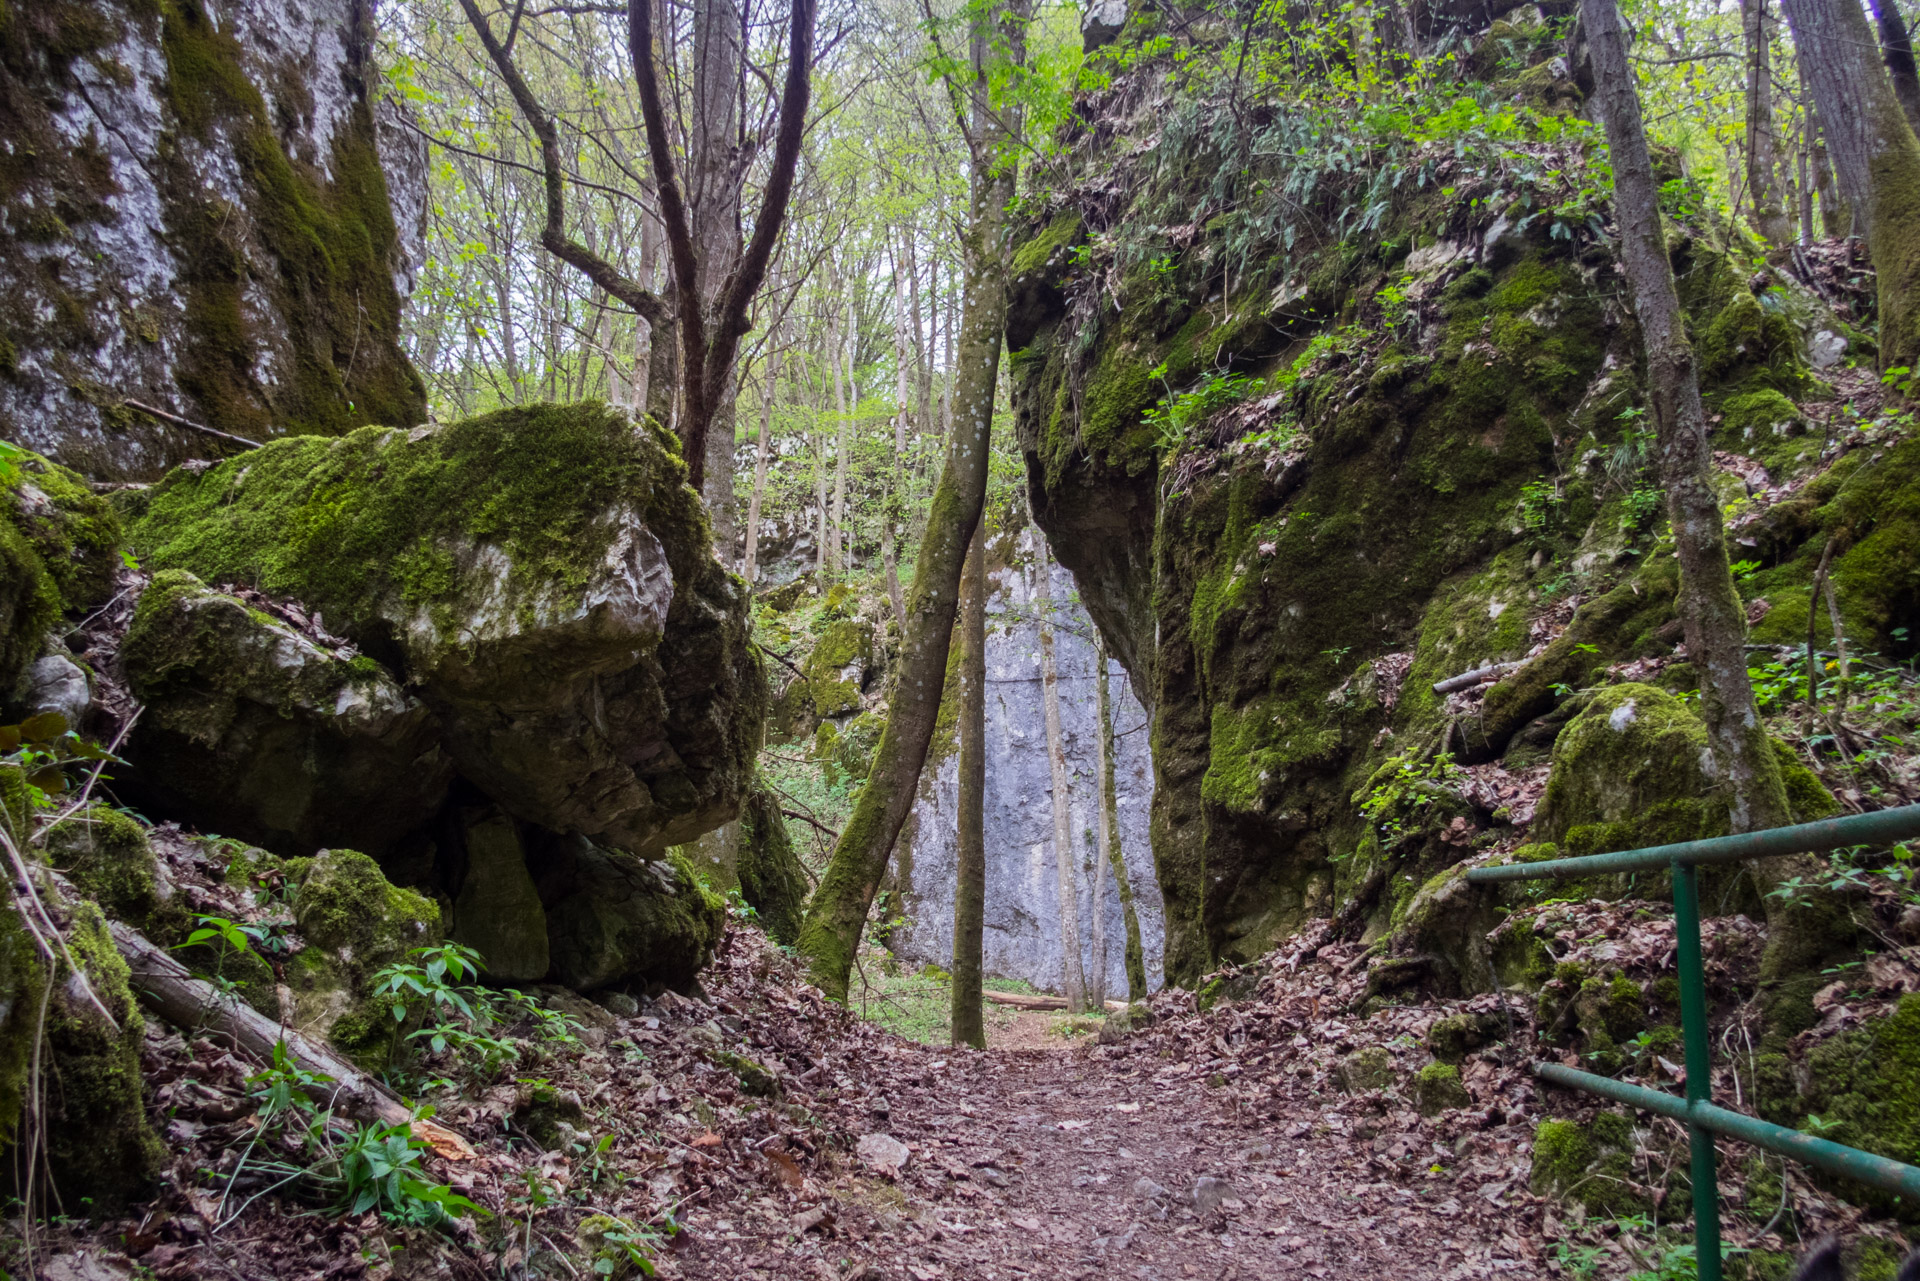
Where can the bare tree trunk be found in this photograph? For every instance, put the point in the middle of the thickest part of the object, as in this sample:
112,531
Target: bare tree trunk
1762,150
895,502
970,884
820,548
1896,49
714,179
1875,157
1711,615
761,457
1109,833
1064,858
1805,193
838,911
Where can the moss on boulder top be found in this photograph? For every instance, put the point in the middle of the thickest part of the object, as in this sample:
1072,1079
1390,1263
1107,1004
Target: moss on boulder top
544,578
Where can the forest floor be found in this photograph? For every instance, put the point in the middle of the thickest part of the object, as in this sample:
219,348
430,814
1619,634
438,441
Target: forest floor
757,1130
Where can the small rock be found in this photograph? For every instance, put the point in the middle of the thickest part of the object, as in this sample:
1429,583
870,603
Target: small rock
879,1106
1147,1190
884,1154
992,1176
1825,349
1208,1192
619,1004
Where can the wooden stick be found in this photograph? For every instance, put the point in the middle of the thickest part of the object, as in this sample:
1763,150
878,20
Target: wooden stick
1478,676
1021,1001
190,425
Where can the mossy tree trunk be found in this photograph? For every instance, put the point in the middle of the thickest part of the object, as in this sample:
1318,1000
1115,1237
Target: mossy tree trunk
1075,978
839,909
1109,832
1896,49
1762,154
970,873
1875,156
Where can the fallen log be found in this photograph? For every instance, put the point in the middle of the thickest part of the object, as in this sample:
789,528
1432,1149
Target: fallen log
195,1006
1478,676
1021,1001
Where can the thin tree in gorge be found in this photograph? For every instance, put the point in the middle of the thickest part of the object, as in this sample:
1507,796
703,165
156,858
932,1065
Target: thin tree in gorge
1064,858
1109,831
967,1019
838,911
1712,618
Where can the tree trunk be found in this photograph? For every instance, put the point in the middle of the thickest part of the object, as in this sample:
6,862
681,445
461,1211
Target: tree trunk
839,908
1762,150
714,181
1874,154
1064,858
1804,190
748,564
970,875
1109,833
1896,49
894,506
836,560
1711,617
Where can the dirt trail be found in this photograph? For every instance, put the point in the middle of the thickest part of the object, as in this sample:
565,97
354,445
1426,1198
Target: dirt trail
1085,1161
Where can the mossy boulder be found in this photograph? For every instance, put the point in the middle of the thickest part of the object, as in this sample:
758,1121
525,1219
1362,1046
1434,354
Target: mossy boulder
496,909
839,665
100,1149
772,881
542,576
1437,1089
1368,1068
1452,1038
108,858
252,727
354,921
59,545
616,919
1633,769
1445,925
1864,1085
1590,1164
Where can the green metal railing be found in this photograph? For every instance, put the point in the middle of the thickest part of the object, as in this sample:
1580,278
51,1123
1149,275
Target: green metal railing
1703,1119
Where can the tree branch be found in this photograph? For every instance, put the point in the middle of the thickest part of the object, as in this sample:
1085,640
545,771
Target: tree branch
553,236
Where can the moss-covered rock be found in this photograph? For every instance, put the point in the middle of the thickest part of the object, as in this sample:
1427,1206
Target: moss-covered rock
59,545
1437,1089
543,576
1368,1068
838,667
100,1149
253,728
1452,1038
614,918
354,921
246,271
496,910
1633,769
1591,1164
772,881
106,856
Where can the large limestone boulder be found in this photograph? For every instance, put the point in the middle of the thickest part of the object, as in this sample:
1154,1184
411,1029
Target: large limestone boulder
256,730
496,908
772,880
543,579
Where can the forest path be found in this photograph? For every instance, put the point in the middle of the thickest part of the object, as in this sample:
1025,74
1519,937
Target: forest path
1093,1161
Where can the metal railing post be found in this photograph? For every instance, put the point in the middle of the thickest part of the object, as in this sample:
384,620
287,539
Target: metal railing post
1699,1059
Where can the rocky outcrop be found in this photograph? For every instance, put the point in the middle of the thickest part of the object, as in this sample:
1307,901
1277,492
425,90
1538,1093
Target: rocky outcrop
1407,441
539,579
1022,938
199,215
59,545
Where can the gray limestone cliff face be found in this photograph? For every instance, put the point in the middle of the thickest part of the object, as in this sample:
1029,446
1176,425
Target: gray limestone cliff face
1022,939
198,211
